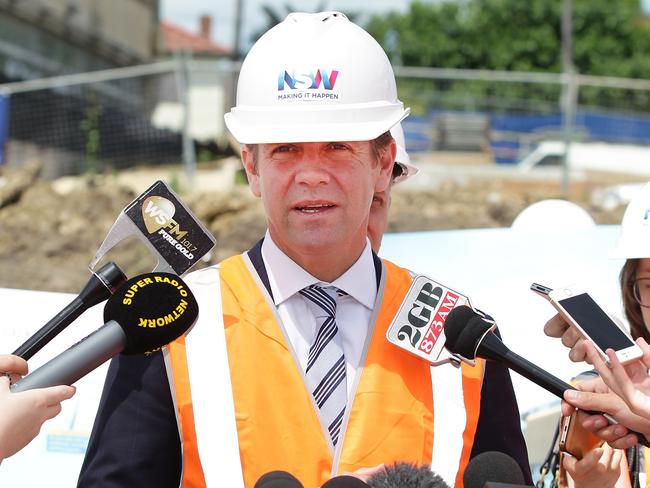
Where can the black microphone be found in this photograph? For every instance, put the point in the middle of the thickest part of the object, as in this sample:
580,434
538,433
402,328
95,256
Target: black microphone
99,287
406,475
144,314
470,336
492,467
278,479
345,481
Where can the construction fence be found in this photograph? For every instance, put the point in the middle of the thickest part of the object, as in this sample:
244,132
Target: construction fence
171,112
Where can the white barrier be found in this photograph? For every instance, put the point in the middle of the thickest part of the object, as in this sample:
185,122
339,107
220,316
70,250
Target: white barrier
55,456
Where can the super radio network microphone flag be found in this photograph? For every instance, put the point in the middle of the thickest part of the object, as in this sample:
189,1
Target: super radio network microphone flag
167,227
143,315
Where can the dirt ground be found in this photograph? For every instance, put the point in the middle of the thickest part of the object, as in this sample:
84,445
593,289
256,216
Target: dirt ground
49,232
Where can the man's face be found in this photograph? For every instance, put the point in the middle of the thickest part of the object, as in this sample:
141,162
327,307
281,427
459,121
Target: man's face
317,195
378,220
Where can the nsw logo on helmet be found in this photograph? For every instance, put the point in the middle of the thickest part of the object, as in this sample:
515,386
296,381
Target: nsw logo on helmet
307,84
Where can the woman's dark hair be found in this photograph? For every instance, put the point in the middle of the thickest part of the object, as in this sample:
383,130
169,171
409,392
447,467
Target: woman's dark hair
630,305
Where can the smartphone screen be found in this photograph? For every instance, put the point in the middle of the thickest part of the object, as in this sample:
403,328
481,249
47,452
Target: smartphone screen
595,322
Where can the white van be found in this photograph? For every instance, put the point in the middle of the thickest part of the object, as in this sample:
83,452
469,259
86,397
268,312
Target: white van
590,156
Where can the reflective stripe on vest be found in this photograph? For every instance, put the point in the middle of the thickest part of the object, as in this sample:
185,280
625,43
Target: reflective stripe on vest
213,413
391,417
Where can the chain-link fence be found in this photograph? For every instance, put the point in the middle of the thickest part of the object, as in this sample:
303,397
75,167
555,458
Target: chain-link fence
508,113
163,113
172,112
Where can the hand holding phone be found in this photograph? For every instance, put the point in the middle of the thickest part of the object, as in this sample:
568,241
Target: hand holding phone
575,439
579,309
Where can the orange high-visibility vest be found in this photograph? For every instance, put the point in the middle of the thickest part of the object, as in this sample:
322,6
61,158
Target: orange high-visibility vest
390,418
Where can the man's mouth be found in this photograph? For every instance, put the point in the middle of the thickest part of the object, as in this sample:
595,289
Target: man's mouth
314,208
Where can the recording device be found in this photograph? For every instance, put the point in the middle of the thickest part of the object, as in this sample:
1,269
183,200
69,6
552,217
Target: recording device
345,481
470,336
492,467
170,231
99,287
278,479
579,309
406,475
144,314
575,439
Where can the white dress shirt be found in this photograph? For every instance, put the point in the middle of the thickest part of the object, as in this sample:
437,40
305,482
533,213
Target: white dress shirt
352,314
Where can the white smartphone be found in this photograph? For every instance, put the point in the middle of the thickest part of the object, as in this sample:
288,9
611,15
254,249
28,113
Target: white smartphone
582,311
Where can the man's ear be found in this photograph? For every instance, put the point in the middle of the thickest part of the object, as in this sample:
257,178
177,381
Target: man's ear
386,162
250,166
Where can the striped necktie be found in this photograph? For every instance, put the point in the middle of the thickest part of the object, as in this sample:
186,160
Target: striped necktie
325,370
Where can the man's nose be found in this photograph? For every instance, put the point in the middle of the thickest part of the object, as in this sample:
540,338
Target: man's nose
311,172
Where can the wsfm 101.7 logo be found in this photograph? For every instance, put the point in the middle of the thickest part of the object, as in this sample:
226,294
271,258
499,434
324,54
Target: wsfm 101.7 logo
306,84
158,213
418,326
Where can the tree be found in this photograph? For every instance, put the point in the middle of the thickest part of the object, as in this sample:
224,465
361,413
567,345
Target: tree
610,38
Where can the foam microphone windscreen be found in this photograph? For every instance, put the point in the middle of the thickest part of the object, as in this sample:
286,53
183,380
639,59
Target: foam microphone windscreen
345,481
278,479
153,309
406,475
492,466
464,329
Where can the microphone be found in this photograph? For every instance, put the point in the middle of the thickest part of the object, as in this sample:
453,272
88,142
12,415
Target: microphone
99,287
345,481
406,475
494,467
278,479
144,314
470,336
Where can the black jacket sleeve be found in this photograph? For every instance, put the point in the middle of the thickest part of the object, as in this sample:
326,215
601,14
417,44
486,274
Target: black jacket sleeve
499,427
135,440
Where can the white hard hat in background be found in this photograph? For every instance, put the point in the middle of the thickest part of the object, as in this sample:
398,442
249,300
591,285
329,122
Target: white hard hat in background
315,78
553,214
402,157
634,241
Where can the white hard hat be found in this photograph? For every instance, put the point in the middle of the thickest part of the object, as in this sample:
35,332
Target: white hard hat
315,78
553,214
634,241
402,157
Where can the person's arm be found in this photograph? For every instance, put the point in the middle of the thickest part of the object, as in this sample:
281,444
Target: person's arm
22,414
499,427
135,440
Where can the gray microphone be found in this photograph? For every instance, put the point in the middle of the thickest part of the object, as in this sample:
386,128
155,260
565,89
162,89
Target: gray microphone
144,314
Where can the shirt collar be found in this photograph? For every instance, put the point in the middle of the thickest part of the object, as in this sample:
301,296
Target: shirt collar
287,278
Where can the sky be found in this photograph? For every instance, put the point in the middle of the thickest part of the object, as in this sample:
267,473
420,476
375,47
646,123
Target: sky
186,13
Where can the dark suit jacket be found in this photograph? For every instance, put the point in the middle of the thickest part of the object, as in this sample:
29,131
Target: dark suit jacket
135,440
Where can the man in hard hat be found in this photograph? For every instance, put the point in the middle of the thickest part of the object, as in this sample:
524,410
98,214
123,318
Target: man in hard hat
381,201
313,388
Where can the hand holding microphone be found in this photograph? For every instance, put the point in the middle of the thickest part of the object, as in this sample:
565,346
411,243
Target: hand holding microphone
144,314
23,414
470,336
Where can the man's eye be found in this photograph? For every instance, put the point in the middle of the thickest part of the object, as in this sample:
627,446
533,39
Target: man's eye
338,146
283,149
